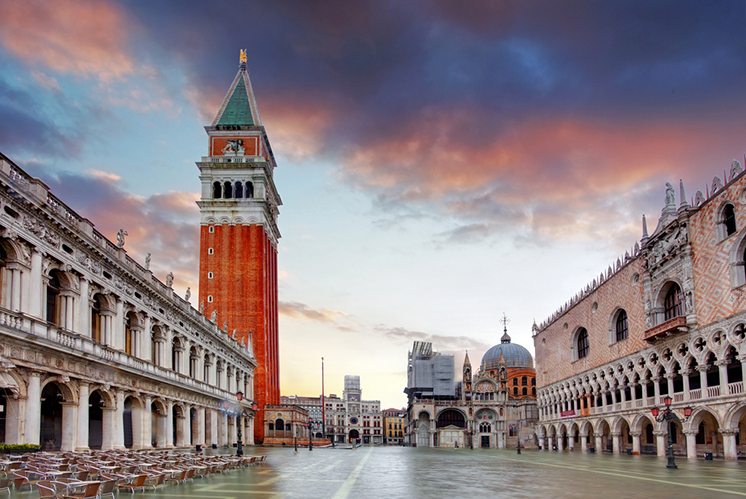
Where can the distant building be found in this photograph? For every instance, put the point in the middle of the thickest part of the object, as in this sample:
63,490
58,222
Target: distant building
495,408
394,421
313,406
351,419
286,425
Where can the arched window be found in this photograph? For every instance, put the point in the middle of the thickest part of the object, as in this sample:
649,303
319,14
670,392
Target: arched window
153,347
227,190
524,380
672,303
193,362
129,334
485,427
622,330
729,220
219,373
238,190
206,369
582,343
249,190
525,391
217,190
515,390
96,319
280,424
175,354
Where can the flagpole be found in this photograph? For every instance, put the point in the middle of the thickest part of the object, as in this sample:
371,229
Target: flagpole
323,404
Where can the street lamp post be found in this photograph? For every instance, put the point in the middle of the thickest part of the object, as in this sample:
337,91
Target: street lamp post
310,435
239,423
668,415
518,446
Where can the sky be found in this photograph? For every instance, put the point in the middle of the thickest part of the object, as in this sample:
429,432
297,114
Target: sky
441,163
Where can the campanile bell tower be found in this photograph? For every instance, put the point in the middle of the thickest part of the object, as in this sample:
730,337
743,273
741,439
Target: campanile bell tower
239,235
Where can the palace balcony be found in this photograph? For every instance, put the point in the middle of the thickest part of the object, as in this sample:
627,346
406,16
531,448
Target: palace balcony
671,326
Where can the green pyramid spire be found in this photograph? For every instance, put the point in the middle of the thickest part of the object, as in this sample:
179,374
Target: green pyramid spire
238,109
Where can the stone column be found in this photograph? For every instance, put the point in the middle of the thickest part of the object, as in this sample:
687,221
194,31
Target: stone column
233,438
635,442
723,370
656,391
583,443
570,442
117,340
146,440
685,379
164,431
83,413
599,443
169,424
32,429
660,442
644,394
35,286
108,429
560,444
117,439
199,438
214,427
249,430
14,420
703,380
146,344
69,426
223,440
730,450
691,444
742,358
616,443
186,432
14,272
83,324
669,381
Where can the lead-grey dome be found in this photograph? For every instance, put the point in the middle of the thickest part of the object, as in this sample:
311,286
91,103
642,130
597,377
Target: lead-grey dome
513,355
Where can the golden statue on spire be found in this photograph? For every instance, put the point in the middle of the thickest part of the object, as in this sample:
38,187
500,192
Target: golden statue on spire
242,56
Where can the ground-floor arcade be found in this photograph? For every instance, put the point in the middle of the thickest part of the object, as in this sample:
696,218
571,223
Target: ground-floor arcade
717,429
65,412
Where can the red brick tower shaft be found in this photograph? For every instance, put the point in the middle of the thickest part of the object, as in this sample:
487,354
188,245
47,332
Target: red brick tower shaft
238,236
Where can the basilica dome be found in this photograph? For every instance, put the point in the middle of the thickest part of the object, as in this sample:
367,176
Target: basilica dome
508,354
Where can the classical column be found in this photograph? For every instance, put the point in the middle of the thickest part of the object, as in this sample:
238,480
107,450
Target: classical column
223,439
691,444
583,442
118,428
14,273
570,442
214,427
146,425
730,451
164,431
69,425
249,439
685,379
83,324
703,380
199,438
560,443
660,442
187,428
169,424
656,391
232,431
723,370
35,286
83,395
108,429
599,443
635,442
13,419
669,381
146,345
616,443
644,393
32,429
117,340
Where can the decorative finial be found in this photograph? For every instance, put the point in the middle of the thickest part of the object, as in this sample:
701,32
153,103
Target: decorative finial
682,194
242,57
505,338
644,227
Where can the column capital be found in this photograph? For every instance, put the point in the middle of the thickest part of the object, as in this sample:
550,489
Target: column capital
690,432
727,431
635,433
616,434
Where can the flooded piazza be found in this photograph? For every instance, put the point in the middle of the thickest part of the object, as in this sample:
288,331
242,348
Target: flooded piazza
403,472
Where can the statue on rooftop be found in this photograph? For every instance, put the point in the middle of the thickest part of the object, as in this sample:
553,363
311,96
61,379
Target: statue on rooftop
670,199
147,261
120,237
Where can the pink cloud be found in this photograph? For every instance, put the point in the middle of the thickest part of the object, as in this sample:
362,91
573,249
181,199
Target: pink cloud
70,36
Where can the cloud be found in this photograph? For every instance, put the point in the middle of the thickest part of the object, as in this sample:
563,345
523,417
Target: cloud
83,37
298,310
442,343
105,176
